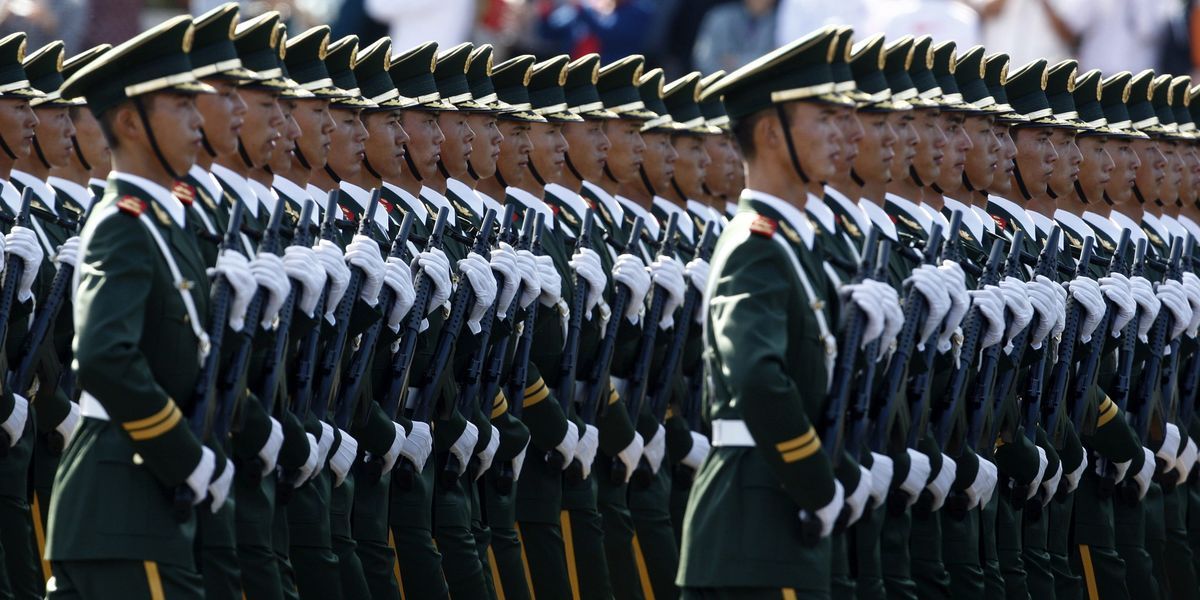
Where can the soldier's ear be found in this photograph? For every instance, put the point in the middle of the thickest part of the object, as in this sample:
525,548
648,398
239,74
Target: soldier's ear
126,125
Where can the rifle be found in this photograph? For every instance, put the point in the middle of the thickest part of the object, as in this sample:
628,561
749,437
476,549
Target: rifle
463,299
1089,367
859,416
203,401
306,360
1171,360
1150,381
979,427
565,392
596,384
1066,353
273,364
1123,381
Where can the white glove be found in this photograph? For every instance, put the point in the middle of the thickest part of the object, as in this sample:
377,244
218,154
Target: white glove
218,489
504,263
1191,287
269,453
586,264
363,252
68,252
1116,288
1072,478
398,277
478,273
1043,462
1148,305
893,315
990,302
926,281
1088,295
667,275
236,270
631,455
202,475
268,271
1145,475
464,446
549,280
330,256
1187,460
530,280
436,267
1050,483
699,451
298,264
519,462
585,452
1044,298
978,487
343,459
14,425
1174,299
993,475
324,445
310,464
857,500
828,514
488,454
656,449
66,427
1169,451
22,242
697,271
1016,300
631,272
940,486
954,281
418,445
881,478
918,474
867,298
396,449
568,444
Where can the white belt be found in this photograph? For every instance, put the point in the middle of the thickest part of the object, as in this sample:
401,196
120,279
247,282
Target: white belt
89,406
731,433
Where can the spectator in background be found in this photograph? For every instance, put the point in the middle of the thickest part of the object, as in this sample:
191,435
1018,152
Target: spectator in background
732,35
612,28
1118,35
45,21
796,18
942,19
414,22
1028,29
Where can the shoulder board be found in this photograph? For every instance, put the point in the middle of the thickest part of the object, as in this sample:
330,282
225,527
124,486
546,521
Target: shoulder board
764,226
184,193
963,233
910,223
461,208
346,212
1001,222
131,205
386,204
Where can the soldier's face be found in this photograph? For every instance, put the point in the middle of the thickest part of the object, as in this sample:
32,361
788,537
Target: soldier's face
725,163
1168,191
906,141
316,126
1002,178
692,165
1097,166
985,151
17,125
514,152
224,115
931,145
486,149
587,147
1066,170
456,150
281,158
425,139
876,150
958,147
1152,167
54,133
176,124
549,150
385,145
1124,176
1035,156
852,134
1189,190
347,143
628,148
816,137
263,126
91,140
660,159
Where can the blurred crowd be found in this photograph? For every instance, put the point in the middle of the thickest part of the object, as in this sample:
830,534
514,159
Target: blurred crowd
683,35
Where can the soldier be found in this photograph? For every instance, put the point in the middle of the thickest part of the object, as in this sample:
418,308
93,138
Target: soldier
720,180
81,182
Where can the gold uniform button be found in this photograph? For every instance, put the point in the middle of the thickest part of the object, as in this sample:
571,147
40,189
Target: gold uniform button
137,459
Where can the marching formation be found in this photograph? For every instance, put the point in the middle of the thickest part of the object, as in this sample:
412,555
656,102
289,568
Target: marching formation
287,317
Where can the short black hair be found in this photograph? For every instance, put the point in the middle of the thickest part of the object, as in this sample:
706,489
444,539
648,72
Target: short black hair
743,133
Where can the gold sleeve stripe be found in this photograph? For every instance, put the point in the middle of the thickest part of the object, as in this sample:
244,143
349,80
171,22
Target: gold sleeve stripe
1108,403
798,441
535,388
531,399
1107,415
670,412
613,396
154,431
153,580
152,420
499,399
501,408
803,452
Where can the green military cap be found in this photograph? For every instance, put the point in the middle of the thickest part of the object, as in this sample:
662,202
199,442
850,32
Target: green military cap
13,81
451,77
258,42
293,90
970,74
479,78
798,71
681,99
1141,103
896,58
995,74
843,77
1026,91
944,69
1181,101
617,86
340,63
1160,98
44,69
650,88
412,74
712,107
580,89
213,53
1060,92
920,70
304,59
1087,104
75,63
152,62
867,62
1115,93
511,80
374,82
546,95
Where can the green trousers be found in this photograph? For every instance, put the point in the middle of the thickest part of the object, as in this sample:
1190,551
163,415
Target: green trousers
681,489
613,504
124,579
1130,526
894,554
989,553
583,541
539,514
20,570
925,547
369,526
841,583
863,553
411,521
960,551
1181,574
216,551
1193,518
1039,573
507,561
315,564
455,540
1067,583
1008,546
750,594
1093,542
1156,535
281,540
255,524
654,536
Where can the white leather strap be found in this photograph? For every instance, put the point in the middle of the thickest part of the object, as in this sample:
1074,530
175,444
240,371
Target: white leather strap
731,433
181,285
199,212
89,406
41,234
814,302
